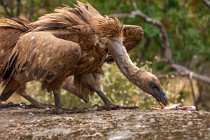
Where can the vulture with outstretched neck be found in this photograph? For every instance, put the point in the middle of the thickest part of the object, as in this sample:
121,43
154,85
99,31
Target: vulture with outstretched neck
132,36
73,42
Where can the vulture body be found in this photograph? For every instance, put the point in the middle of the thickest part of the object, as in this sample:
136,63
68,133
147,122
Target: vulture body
73,42
90,83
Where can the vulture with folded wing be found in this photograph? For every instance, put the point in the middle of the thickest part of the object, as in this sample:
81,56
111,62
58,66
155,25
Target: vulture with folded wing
73,42
132,36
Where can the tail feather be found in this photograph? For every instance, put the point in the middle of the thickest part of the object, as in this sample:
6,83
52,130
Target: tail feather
9,89
15,23
7,70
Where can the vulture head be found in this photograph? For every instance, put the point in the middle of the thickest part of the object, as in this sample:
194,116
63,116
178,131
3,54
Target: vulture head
112,32
149,83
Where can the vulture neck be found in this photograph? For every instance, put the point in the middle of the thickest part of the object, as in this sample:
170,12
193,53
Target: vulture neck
126,66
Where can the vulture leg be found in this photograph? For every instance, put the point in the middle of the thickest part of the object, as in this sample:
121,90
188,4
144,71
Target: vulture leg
57,100
60,110
58,106
34,103
69,86
92,82
108,105
104,98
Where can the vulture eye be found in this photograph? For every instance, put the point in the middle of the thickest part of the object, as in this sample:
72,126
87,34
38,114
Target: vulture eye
154,87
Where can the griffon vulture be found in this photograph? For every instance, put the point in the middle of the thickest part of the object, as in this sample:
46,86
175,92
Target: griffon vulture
132,36
72,42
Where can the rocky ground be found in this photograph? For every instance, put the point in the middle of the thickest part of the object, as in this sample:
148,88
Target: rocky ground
123,124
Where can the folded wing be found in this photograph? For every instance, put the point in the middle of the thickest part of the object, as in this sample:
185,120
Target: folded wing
43,57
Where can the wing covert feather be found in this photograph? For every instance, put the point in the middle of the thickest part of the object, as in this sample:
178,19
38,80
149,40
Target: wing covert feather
43,56
132,35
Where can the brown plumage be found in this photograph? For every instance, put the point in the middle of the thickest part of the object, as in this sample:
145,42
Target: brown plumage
132,36
10,31
72,41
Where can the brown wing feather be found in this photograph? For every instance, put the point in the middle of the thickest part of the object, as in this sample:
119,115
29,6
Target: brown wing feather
15,23
89,8
132,35
8,39
10,31
79,23
75,24
82,14
45,58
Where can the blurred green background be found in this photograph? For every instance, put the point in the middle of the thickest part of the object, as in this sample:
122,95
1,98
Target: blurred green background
188,26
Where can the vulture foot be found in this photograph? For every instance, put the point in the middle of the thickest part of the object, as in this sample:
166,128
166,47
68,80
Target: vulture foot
10,104
114,107
39,106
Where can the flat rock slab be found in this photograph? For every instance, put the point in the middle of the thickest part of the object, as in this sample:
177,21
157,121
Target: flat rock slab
123,124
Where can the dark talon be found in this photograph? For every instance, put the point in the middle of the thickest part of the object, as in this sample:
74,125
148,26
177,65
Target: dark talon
108,105
10,104
100,108
39,106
